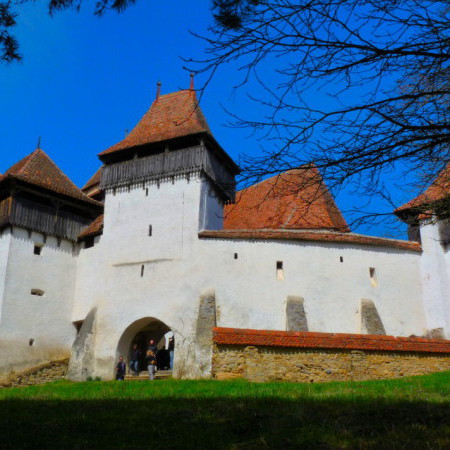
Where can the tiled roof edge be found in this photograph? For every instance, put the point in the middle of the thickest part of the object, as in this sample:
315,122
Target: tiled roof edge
315,236
304,339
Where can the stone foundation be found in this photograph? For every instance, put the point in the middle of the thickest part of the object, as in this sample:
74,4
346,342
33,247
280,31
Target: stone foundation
43,373
310,365
291,356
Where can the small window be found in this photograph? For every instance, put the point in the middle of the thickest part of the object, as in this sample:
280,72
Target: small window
235,256
373,276
31,342
280,271
341,259
142,270
38,292
150,230
146,192
37,249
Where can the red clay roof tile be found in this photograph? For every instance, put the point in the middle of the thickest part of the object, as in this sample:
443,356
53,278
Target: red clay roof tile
94,229
171,116
93,181
438,190
297,199
314,236
304,339
38,169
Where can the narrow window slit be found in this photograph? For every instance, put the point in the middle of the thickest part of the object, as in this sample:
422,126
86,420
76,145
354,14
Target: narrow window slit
280,271
150,230
373,276
142,270
38,292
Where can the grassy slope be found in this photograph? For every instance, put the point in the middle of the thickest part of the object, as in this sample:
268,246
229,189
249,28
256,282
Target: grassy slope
408,413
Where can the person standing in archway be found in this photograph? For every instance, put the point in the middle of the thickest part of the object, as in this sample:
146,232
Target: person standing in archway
135,357
152,351
121,369
171,350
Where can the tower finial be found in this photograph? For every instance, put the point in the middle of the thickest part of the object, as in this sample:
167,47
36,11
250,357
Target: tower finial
158,89
191,87
38,146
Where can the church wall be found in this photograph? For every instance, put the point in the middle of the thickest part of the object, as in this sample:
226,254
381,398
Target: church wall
435,264
37,328
249,295
129,275
211,208
5,241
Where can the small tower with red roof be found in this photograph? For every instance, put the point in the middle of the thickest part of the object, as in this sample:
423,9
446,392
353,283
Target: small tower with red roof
169,176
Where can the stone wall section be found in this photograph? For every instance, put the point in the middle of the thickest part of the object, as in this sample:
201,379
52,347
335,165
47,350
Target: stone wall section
44,373
263,364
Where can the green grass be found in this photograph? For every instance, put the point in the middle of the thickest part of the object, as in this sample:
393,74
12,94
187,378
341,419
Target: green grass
409,413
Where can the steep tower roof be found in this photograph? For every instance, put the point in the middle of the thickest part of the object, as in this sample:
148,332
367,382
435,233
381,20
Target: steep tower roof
437,192
171,116
297,199
39,170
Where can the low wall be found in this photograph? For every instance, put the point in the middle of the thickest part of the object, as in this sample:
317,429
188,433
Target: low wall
44,373
319,357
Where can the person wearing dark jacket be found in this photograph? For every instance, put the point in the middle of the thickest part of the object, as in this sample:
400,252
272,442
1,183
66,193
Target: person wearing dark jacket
171,349
135,358
121,369
152,352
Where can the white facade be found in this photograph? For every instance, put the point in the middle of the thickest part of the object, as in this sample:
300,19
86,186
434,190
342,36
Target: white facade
150,267
149,264
35,328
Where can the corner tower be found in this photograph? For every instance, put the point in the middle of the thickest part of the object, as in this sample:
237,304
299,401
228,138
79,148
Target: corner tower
169,175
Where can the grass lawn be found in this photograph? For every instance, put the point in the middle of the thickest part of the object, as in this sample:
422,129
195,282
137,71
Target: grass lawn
411,413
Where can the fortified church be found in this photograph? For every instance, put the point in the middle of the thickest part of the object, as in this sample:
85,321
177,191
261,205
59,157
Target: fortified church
158,240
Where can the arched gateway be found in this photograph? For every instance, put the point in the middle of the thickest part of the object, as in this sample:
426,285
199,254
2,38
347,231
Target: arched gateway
140,332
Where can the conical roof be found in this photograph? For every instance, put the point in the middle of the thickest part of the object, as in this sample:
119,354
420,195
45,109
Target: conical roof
171,116
297,199
39,170
438,191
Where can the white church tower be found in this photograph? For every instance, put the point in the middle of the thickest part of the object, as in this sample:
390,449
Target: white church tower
165,182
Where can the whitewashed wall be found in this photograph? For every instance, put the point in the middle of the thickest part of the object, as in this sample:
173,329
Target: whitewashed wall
46,319
435,267
179,267
5,240
250,296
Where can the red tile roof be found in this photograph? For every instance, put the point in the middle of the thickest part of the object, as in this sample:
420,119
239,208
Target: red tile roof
171,116
304,339
39,170
314,236
94,229
438,190
93,181
297,199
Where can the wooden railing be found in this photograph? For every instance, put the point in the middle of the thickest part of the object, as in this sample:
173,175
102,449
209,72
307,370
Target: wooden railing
173,163
45,219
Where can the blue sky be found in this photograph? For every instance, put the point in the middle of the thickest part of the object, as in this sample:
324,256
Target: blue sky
85,80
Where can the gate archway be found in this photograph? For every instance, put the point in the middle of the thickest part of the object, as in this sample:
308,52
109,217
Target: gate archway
140,332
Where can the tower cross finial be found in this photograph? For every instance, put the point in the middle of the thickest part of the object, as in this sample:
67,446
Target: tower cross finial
38,146
158,89
191,86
